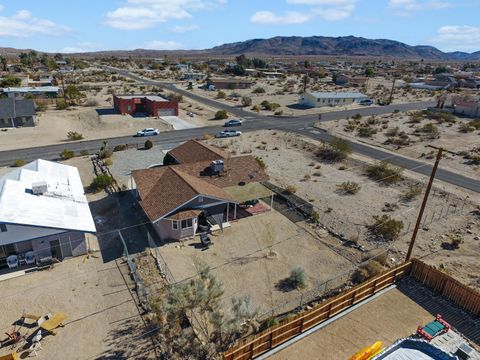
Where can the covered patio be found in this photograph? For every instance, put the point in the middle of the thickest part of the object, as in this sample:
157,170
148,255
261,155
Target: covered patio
248,197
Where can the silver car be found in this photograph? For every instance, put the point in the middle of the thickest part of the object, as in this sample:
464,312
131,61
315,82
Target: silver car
148,132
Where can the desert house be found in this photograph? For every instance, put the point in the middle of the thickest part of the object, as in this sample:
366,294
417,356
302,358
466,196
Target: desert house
320,99
44,212
229,84
41,92
152,105
346,80
466,106
15,113
205,189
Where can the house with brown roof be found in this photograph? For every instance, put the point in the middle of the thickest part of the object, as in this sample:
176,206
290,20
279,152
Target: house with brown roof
201,189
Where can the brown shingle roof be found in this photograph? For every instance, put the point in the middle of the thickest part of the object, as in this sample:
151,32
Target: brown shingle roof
186,214
194,151
237,169
164,189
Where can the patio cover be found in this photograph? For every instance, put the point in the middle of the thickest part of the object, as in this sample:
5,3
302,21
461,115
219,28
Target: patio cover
250,191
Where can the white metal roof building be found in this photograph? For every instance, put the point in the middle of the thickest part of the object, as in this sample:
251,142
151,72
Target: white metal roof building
319,99
43,209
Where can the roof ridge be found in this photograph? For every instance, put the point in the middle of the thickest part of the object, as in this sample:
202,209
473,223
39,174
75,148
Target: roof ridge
183,174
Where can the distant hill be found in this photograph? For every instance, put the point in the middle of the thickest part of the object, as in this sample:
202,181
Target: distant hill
299,46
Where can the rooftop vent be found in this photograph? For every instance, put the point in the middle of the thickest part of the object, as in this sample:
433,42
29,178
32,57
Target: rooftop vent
39,188
217,166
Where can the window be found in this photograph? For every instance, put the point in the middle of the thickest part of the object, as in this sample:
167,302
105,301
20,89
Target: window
3,227
186,224
129,108
175,225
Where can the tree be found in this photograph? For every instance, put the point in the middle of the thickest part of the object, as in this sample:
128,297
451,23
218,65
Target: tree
9,81
369,72
3,63
242,60
238,70
221,114
386,228
259,63
246,101
199,303
72,93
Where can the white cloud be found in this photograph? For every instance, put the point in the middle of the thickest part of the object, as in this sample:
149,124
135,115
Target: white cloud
458,38
1,7
268,17
408,7
81,47
143,14
24,24
163,45
329,10
181,29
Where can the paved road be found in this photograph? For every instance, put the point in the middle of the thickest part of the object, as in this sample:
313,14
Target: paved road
302,125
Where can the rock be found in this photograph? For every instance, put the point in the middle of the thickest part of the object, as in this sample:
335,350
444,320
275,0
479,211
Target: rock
476,238
469,231
425,228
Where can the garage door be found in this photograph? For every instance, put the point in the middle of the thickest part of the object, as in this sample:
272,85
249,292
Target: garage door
166,112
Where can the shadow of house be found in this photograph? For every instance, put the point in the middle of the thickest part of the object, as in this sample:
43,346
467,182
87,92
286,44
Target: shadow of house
105,112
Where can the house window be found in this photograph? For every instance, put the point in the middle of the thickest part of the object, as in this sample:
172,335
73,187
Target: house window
186,224
129,108
175,225
3,227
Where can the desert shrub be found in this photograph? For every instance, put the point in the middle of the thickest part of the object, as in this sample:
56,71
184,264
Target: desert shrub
73,135
366,131
259,90
367,271
260,162
349,187
392,131
40,107
246,101
315,216
83,152
67,154
108,162
337,150
90,102
148,144
19,163
412,192
356,117
221,114
466,128
384,172
439,117
475,124
120,147
386,228
175,97
105,153
101,182
268,323
61,105
297,278
221,95
431,130
455,240
291,189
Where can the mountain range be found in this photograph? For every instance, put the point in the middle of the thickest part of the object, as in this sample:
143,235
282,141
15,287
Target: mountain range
351,46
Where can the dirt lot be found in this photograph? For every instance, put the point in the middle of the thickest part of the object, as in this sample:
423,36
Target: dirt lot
400,127
102,317
285,92
290,161
240,259
387,318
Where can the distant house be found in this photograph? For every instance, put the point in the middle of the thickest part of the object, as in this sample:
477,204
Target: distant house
466,106
320,99
152,105
194,76
15,113
343,80
444,81
42,92
202,192
43,209
225,84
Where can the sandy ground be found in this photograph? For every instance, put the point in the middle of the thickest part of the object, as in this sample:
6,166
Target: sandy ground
387,318
102,317
449,138
285,92
289,162
239,258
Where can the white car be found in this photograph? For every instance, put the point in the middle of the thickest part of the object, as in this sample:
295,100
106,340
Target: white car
148,132
228,133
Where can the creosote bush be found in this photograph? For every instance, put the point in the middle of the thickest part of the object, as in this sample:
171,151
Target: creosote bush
101,182
297,278
412,192
386,228
349,187
221,114
337,150
73,135
384,172
291,189
148,144
19,163
67,154
367,271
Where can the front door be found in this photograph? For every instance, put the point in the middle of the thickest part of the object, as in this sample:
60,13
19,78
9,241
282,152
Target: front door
56,249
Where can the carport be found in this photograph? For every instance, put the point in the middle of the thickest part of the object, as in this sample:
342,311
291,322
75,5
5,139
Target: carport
248,192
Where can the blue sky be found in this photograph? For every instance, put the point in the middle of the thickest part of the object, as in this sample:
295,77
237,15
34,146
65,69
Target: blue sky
89,25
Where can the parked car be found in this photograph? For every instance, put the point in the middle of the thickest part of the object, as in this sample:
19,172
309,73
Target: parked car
233,122
148,132
366,102
228,133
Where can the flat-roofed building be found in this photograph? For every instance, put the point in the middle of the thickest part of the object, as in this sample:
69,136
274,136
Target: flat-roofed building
320,99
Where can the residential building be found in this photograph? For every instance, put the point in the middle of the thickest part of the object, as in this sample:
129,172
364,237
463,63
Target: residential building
152,105
229,84
16,113
194,76
344,80
42,92
320,99
43,209
466,106
202,192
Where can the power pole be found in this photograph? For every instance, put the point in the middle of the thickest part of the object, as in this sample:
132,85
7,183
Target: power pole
424,203
391,91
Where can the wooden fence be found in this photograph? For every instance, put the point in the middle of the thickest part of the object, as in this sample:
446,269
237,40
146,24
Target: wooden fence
252,347
445,285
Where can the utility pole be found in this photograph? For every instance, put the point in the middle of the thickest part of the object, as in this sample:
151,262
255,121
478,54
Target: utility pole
424,203
391,91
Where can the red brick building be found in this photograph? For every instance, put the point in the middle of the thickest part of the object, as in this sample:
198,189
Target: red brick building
152,105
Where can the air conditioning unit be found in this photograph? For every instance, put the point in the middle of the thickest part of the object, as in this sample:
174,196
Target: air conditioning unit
217,166
39,188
